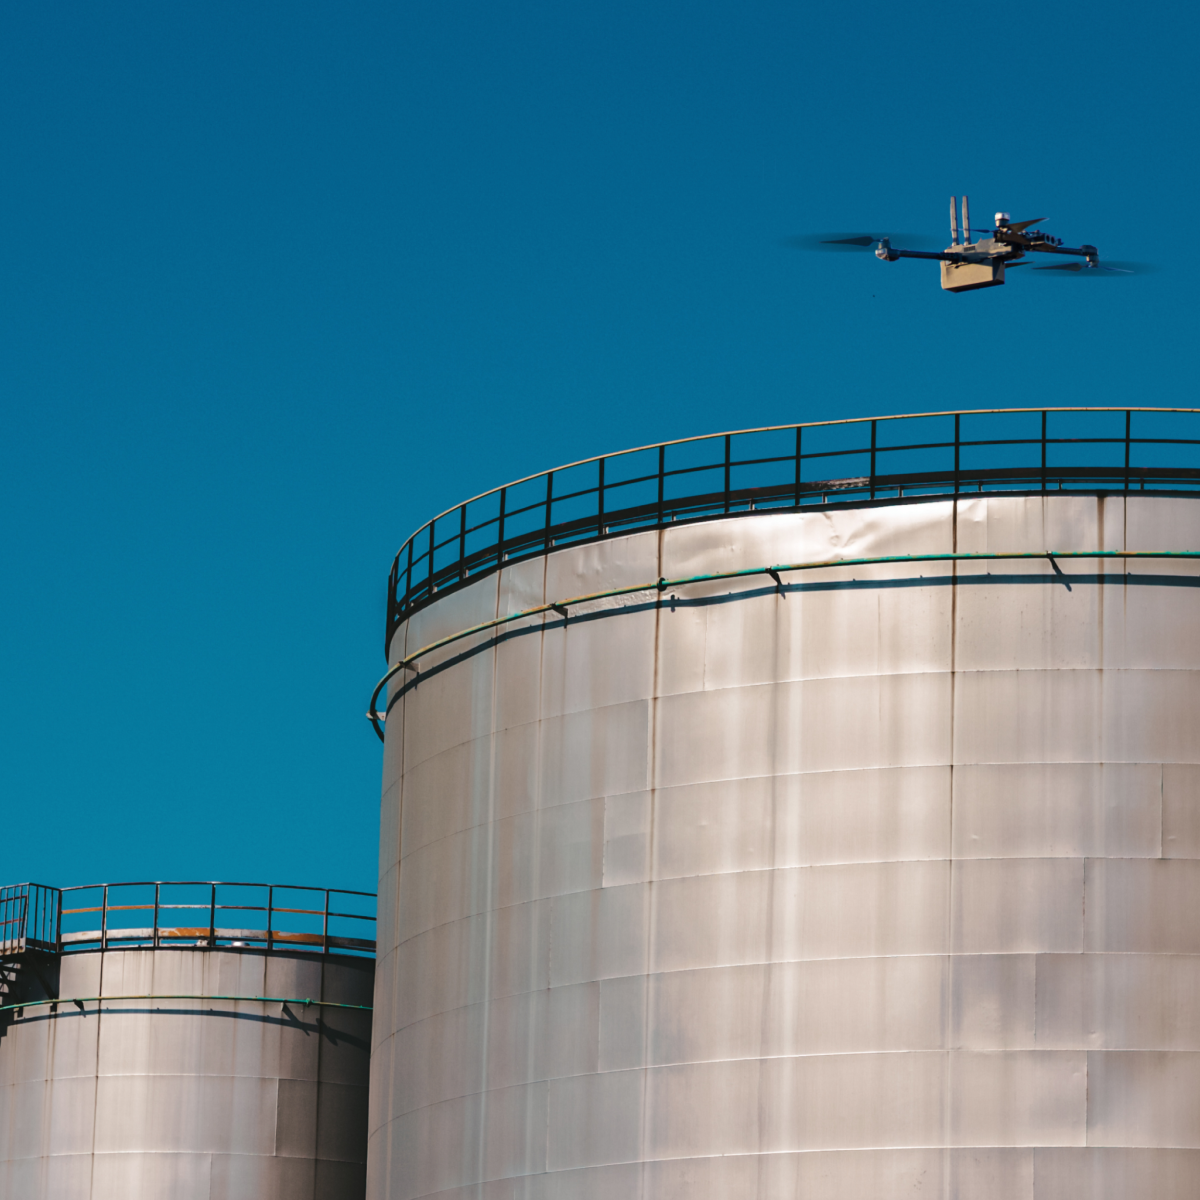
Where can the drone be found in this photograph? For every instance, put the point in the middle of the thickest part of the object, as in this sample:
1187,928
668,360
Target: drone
968,266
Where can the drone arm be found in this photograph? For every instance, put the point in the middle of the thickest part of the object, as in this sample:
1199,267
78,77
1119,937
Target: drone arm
940,254
887,253
1088,252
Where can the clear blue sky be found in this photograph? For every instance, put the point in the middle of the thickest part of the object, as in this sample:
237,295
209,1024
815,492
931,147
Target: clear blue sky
280,281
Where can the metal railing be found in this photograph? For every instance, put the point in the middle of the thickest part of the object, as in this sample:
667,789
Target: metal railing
28,918
163,913
795,467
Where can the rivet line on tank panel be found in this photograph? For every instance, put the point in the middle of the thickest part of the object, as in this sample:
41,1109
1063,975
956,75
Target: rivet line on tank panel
408,663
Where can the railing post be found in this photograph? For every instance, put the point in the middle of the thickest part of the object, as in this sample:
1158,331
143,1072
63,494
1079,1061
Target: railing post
408,573
798,428
872,481
429,564
600,503
104,919
549,499
662,469
270,911
462,542
957,447
1044,484
325,926
728,448
393,618
500,529
154,931
58,924
1128,429
212,917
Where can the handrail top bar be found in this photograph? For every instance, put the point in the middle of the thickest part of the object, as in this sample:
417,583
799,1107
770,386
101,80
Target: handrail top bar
704,437
291,887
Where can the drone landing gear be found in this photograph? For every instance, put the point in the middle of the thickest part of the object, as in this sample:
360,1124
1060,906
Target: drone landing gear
969,276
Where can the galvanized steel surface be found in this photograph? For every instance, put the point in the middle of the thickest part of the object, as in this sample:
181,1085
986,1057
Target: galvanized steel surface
193,1100
879,884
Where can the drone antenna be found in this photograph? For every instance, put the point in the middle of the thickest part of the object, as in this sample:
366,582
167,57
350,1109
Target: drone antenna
966,222
954,220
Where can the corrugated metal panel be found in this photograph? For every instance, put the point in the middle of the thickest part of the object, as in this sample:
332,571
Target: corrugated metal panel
886,885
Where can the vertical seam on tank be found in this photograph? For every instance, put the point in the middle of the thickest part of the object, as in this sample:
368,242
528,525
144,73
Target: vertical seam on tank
950,955
1162,809
1102,576
538,785
651,891
1102,756
391,1017
320,1023
51,1048
779,614
480,1155
96,1079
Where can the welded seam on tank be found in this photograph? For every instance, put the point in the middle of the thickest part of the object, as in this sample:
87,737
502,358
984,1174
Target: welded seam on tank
96,1078
650,908
489,913
409,661
647,1069
948,1003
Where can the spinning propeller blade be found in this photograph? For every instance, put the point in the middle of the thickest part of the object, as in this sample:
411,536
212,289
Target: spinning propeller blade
1101,270
839,243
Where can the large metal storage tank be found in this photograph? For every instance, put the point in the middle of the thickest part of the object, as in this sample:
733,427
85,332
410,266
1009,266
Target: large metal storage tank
880,881
182,1066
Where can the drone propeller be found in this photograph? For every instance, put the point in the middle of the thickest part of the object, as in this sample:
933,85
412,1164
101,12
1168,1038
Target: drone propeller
1100,269
843,242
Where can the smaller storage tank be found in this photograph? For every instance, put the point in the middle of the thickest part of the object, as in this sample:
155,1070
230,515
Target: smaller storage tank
219,1050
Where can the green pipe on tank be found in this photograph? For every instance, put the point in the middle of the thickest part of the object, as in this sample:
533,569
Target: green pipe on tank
81,1000
408,663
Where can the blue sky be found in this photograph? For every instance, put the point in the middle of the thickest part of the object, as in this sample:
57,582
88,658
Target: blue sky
280,281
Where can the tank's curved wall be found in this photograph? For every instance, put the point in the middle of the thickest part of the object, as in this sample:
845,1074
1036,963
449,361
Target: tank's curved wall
192,1100
886,886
